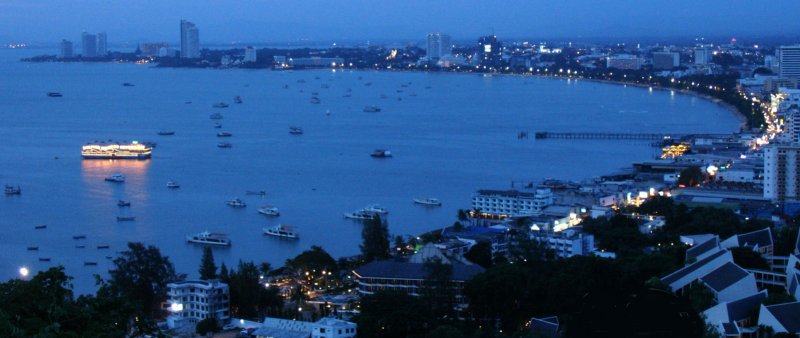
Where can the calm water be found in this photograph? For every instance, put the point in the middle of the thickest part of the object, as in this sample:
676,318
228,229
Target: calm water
449,140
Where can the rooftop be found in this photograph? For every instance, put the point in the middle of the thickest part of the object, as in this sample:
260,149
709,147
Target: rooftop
683,272
405,270
788,314
724,276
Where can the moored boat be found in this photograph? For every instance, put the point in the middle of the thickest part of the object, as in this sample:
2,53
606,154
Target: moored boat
33,248
360,215
269,211
122,203
283,231
12,190
215,116
54,94
376,209
208,238
428,201
373,109
381,153
237,99
40,226
295,130
79,237
236,203
126,218
224,145
119,178
122,151
224,134
220,105
173,185
166,133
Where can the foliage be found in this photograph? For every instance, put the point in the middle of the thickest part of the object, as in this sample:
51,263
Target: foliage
315,259
786,239
391,314
445,331
481,254
691,176
140,275
250,298
208,325
618,234
375,236
700,297
208,270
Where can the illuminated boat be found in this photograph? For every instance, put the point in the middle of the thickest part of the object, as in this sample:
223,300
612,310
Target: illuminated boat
208,238
130,151
283,231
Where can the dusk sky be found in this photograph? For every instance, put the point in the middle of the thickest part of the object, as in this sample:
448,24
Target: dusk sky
278,21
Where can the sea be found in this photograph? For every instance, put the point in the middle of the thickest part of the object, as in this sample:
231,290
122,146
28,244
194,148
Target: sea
450,134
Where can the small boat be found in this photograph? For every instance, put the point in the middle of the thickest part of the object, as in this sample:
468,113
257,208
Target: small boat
224,134
126,218
166,133
259,193
269,211
122,203
283,231
12,190
314,100
327,112
428,201
103,246
207,238
360,215
79,237
44,259
236,203
109,257
89,263
54,94
301,81
220,105
217,125
325,85
372,109
295,130
116,178
376,209
33,248
224,145
80,247
127,84
173,185
215,116
237,99
381,153
40,226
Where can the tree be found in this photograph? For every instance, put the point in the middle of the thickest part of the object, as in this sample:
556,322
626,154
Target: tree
314,260
481,254
391,314
445,331
208,325
208,270
140,275
250,298
224,275
690,177
375,236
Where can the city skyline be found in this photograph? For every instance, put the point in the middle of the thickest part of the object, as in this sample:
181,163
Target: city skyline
317,21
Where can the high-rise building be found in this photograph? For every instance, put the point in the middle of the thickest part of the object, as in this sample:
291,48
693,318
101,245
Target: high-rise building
789,59
190,40
438,46
701,56
782,172
250,54
491,51
88,45
102,44
666,60
624,61
66,49
152,48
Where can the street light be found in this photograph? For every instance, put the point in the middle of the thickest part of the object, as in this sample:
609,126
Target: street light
23,271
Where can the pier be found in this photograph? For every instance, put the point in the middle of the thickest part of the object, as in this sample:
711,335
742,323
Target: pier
542,135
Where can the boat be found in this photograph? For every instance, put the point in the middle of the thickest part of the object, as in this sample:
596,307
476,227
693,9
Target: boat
237,99
295,130
283,231
208,238
127,84
269,211
376,209
33,248
119,151
428,201
325,85
89,263
224,134
224,145
79,237
12,190
260,192
44,259
80,247
215,116
40,226
314,100
360,215
236,203
381,153
327,111
54,94
166,133
122,203
220,105
217,125
371,109
173,185
115,178
103,246
126,218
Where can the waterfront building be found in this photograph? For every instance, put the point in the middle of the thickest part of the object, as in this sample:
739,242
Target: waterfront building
624,62
490,51
567,243
511,203
194,300
102,44
701,56
789,59
438,46
152,48
190,40
66,49
250,54
88,45
666,60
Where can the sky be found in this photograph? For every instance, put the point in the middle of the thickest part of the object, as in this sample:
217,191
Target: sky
265,21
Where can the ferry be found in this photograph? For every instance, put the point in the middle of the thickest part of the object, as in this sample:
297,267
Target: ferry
376,209
224,145
215,116
428,201
122,151
207,238
166,133
54,94
359,215
224,134
295,130
381,153
12,190
173,185
373,109
116,178
269,211
236,203
122,203
220,105
126,218
283,231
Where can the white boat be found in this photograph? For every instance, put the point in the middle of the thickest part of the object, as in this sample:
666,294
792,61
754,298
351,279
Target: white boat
428,201
360,215
269,211
224,134
376,209
115,178
236,203
208,238
224,145
283,231
173,185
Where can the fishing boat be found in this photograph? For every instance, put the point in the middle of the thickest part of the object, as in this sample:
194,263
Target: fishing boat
79,237
428,201
40,226
236,203
373,109
215,116
269,211
224,145
295,130
381,153
12,190
224,134
119,178
376,209
122,203
126,218
173,185
166,133
208,238
220,105
54,94
282,231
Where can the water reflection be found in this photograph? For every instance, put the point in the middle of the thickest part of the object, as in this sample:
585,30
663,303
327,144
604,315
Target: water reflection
94,173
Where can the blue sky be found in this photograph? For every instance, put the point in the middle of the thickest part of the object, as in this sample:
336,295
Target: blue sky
278,21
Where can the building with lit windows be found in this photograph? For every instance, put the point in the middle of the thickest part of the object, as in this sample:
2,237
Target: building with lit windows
194,300
511,203
702,56
782,172
789,61
567,243
491,51
439,46
190,40
624,62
